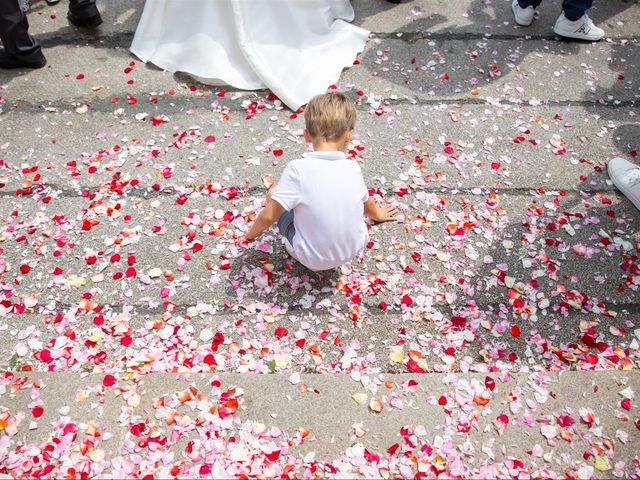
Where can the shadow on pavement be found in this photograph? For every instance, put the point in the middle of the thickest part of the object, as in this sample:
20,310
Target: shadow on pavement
276,278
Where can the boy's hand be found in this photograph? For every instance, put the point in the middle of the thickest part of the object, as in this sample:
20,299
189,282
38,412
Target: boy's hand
242,241
380,212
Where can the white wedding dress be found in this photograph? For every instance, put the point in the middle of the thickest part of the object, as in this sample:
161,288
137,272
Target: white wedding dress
296,48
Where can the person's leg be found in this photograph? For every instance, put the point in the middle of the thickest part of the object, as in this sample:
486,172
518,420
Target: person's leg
20,48
529,3
84,13
286,227
575,9
288,230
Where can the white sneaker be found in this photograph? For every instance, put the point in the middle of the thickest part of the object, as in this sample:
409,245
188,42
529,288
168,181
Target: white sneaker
581,29
626,176
524,16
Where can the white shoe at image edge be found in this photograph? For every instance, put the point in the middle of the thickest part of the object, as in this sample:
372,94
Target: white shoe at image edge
523,16
581,29
626,176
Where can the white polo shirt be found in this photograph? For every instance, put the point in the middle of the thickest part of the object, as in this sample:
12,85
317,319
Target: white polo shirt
326,193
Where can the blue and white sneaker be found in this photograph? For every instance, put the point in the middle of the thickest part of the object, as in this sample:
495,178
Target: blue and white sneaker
581,29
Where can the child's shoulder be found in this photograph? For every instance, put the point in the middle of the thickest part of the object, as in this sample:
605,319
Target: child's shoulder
296,164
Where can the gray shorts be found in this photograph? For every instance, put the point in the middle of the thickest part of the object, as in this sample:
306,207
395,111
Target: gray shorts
286,227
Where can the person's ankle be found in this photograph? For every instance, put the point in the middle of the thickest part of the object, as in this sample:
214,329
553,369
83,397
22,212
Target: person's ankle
572,19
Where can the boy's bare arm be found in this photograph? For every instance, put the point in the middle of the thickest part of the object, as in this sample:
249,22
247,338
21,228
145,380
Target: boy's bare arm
267,217
379,212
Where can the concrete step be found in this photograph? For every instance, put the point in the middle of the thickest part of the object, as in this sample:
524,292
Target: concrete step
566,147
254,339
157,227
472,70
549,422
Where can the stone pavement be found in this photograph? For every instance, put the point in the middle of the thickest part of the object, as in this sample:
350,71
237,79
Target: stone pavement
493,331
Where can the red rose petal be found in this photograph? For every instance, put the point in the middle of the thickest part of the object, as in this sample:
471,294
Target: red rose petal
273,456
281,332
490,383
45,356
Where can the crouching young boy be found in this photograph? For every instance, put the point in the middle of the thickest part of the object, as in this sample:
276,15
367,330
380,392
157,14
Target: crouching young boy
321,200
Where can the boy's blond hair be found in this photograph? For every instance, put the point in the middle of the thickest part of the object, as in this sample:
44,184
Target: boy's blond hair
329,116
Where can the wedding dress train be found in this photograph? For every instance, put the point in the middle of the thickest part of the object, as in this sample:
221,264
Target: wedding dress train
296,48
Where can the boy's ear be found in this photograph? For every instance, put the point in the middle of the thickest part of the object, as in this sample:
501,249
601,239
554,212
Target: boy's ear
307,136
350,135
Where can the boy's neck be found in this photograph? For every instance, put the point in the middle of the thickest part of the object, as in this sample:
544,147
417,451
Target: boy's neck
321,146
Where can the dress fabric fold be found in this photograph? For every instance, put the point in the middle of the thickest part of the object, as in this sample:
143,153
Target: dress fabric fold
295,48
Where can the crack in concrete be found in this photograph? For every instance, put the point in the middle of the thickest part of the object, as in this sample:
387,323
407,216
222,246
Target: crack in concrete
149,194
123,39
103,105
236,309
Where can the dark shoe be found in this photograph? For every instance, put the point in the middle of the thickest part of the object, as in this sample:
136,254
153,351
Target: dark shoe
34,60
86,15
